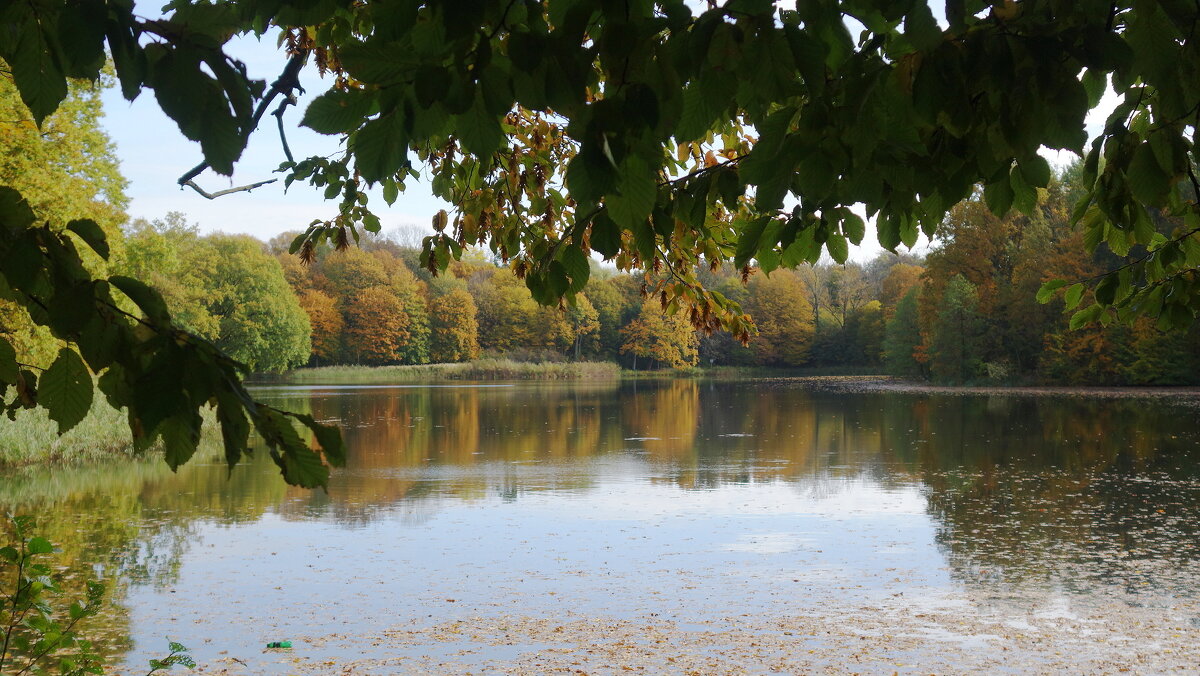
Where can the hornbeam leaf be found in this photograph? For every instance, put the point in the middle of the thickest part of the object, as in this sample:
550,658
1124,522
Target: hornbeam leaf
1036,171
66,390
380,147
34,69
747,243
838,249
921,28
9,371
1073,296
1045,293
180,435
91,233
150,302
606,236
637,188
336,111
479,130
576,264
854,228
1148,182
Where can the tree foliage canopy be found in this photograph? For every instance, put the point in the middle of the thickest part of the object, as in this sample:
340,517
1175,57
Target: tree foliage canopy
650,133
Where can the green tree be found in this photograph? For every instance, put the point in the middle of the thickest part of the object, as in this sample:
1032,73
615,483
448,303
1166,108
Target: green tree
956,345
66,169
224,288
903,337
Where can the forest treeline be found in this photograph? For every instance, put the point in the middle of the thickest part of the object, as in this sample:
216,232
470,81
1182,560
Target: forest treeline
966,312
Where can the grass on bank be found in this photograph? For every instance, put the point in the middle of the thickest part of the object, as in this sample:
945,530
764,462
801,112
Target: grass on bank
33,437
479,369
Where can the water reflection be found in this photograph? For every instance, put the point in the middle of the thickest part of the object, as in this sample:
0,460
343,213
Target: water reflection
1074,496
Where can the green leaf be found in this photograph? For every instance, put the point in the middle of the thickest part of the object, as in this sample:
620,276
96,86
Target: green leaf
9,371
999,196
1024,196
92,234
380,147
480,130
302,466
66,390
1073,296
35,71
748,240
606,235
1148,182
40,545
921,28
1036,171
1085,316
854,227
1045,293
838,249
1106,290
337,111
235,429
576,264
432,84
180,435
637,187
146,298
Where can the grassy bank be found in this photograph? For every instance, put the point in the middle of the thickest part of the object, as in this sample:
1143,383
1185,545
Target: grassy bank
33,438
480,369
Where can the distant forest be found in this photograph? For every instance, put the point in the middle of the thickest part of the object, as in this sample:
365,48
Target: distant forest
965,313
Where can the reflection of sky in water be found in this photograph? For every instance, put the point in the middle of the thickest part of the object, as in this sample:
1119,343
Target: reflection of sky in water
623,547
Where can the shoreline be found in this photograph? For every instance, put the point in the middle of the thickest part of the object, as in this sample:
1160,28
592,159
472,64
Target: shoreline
888,384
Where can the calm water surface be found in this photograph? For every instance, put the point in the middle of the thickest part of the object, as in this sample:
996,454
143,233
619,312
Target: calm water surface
682,501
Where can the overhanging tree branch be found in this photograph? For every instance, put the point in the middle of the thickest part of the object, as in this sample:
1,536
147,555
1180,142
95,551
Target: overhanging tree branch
286,84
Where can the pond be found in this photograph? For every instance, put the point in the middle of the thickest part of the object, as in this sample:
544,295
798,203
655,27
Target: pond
677,525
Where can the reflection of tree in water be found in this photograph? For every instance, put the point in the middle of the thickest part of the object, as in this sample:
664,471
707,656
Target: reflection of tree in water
420,444
1067,492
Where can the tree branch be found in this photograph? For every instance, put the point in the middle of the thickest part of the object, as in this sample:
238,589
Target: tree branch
286,83
214,195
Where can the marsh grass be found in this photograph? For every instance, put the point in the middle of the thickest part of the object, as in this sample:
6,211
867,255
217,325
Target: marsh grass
480,369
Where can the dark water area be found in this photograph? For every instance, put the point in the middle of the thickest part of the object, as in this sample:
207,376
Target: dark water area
679,501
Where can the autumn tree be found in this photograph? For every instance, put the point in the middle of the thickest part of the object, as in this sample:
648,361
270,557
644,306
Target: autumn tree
510,319
376,327
777,304
325,318
67,169
454,333
896,284
669,340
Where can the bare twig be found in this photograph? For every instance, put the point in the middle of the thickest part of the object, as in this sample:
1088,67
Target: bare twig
288,100
214,195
